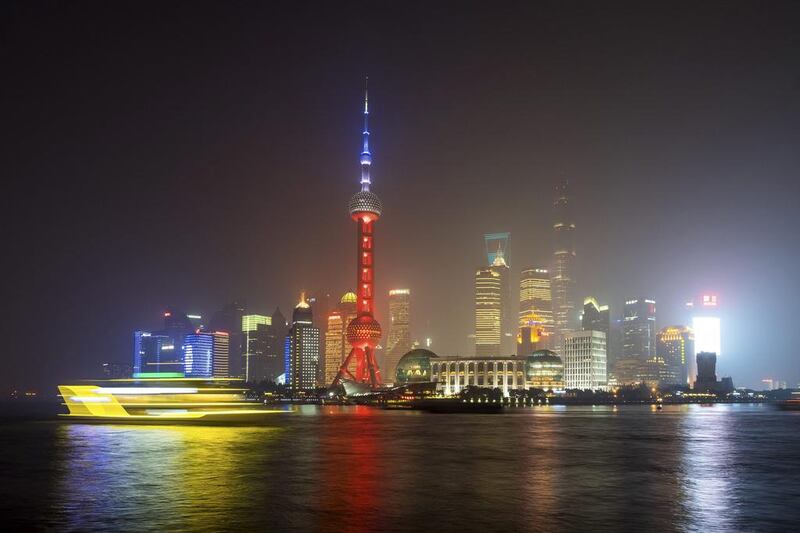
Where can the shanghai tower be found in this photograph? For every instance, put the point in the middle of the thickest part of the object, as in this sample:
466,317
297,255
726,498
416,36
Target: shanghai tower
562,275
364,332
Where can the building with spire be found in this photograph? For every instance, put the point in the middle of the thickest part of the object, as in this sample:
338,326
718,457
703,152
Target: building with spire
399,341
302,349
562,274
364,332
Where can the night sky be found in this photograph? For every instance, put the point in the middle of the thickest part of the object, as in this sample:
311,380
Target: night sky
191,154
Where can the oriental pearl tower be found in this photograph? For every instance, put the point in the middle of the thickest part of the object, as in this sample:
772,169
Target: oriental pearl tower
364,332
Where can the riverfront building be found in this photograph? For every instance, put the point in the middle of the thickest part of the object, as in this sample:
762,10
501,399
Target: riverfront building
584,355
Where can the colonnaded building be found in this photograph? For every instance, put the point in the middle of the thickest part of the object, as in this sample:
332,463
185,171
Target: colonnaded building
543,369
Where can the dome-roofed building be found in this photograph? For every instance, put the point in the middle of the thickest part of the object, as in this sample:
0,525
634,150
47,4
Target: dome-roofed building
348,298
415,367
544,369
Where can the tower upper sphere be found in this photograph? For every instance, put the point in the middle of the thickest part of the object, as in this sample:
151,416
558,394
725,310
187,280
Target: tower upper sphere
365,201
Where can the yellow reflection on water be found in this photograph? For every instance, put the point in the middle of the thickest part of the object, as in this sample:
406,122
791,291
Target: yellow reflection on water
186,477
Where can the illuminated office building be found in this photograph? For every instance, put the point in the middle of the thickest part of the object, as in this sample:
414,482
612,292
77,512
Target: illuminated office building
706,324
488,312
155,353
595,317
276,339
675,345
256,330
206,354
229,319
545,370
497,254
334,345
364,332
536,304
302,349
639,341
399,341
562,274
584,356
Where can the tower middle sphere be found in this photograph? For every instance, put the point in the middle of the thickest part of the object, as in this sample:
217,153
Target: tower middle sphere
364,331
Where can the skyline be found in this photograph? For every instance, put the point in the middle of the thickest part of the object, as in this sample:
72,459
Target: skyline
98,266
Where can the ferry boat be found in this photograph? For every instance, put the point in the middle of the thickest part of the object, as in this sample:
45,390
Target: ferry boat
792,404
161,400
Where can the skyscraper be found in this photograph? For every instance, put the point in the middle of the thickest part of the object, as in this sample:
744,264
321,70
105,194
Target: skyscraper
255,329
535,298
584,356
229,319
206,354
154,353
562,275
364,332
399,342
675,345
488,311
706,325
302,353
639,340
595,317
276,339
334,345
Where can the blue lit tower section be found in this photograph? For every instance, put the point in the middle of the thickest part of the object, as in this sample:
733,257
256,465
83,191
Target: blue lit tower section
364,332
198,349
154,353
206,354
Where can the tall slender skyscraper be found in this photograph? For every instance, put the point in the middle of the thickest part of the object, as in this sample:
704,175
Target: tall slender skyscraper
488,312
364,332
399,342
562,275
302,354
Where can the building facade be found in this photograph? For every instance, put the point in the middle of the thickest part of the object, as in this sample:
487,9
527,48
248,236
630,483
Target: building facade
488,312
562,274
639,340
399,341
302,349
206,354
675,345
334,343
536,304
453,374
584,356
255,332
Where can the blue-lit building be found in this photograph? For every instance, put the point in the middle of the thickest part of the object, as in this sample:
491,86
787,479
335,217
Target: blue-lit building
161,351
155,353
206,354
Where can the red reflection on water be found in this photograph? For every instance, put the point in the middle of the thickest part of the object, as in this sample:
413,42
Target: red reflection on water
351,474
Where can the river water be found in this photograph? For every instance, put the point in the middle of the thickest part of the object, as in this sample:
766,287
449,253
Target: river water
684,468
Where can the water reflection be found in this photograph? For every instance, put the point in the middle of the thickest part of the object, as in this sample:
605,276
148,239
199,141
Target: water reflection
186,477
685,468
709,499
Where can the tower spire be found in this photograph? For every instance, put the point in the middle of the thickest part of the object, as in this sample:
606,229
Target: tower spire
366,157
